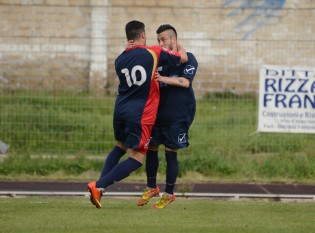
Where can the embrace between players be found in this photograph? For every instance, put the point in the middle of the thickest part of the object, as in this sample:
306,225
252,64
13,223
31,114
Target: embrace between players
155,106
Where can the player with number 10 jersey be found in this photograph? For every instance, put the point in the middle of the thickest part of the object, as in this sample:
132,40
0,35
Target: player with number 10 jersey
138,92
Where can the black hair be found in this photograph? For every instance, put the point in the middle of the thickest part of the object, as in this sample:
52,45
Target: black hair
165,27
134,29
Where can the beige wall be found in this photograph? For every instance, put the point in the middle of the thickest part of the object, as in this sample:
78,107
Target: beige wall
72,44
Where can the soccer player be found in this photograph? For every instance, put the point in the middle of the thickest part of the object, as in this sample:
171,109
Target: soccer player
175,114
135,107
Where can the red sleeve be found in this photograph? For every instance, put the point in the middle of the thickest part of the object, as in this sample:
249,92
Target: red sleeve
165,55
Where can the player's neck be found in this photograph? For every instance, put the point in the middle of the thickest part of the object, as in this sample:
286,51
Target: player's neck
139,43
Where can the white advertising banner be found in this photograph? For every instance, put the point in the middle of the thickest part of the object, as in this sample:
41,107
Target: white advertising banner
286,99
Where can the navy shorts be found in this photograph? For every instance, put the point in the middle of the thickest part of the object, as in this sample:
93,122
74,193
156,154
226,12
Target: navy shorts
174,136
134,136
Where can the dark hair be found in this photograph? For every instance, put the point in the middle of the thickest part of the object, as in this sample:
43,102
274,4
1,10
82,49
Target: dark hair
134,29
165,27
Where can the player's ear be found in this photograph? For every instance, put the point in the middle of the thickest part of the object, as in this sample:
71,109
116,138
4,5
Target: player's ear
143,35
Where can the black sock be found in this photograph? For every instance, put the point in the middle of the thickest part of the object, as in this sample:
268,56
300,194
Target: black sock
119,172
112,159
151,167
171,171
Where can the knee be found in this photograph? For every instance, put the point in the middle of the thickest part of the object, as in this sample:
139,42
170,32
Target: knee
121,145
137,156
170,149
153,148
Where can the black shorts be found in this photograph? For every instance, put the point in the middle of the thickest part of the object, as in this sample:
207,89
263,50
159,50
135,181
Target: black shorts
174,136
134,136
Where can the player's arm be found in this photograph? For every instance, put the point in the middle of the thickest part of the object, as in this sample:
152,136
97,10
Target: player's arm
185,77
181,50
180,81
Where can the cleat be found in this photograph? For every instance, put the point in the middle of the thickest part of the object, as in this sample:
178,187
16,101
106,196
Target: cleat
164,201
147,195
95,194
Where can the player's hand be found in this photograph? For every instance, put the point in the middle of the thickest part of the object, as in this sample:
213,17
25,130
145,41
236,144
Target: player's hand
158,77
179,46
130,44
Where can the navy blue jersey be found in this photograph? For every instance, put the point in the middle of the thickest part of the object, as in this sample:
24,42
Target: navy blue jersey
138,92
177,104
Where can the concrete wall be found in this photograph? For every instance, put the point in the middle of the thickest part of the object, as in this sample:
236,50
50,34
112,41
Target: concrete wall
72,44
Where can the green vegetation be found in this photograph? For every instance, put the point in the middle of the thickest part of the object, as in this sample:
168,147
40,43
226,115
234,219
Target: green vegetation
45,129
207,167
48,215
65,123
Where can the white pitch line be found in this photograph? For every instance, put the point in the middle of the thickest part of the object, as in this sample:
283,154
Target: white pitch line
132,194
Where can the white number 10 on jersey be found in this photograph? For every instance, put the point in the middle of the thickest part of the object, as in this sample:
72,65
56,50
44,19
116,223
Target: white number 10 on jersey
133,79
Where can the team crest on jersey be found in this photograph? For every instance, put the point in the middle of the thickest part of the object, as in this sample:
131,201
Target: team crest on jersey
189,69
182,138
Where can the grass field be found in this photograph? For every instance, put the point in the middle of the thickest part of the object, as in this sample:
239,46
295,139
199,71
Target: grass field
44,129
76,214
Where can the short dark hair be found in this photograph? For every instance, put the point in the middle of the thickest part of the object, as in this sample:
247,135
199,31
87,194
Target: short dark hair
134,29
165,27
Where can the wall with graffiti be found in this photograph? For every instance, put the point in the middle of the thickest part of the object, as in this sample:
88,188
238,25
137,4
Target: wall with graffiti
59,41
262,12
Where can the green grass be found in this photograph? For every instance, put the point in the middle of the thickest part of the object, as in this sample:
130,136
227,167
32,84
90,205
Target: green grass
223,142
65,123
211,167
48,215
41,122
